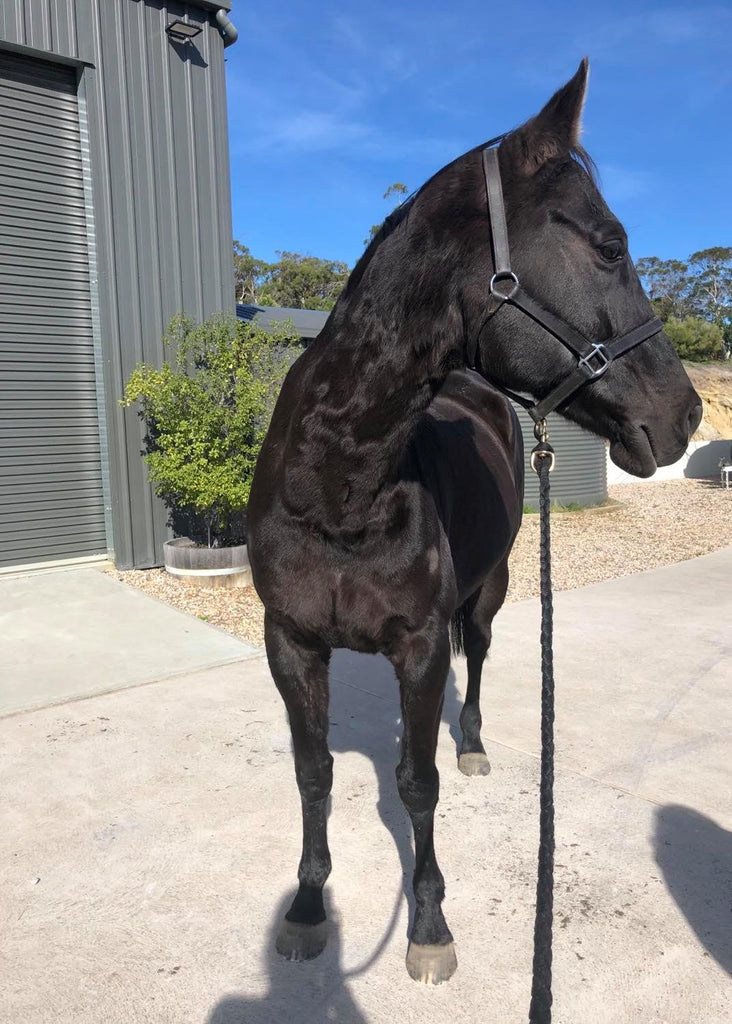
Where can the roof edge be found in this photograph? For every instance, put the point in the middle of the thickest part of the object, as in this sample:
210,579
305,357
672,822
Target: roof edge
211,5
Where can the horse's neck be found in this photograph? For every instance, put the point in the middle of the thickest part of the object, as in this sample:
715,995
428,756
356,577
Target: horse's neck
367,389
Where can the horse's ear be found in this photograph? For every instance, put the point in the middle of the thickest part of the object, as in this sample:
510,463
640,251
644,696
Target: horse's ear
554,130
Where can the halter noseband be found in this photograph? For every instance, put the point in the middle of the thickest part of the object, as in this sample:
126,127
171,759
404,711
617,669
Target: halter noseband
593,358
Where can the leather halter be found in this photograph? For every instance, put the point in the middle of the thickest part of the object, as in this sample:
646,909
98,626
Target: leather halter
593,358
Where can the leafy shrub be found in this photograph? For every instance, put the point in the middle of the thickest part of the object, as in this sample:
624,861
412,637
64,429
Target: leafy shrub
695,339
206,412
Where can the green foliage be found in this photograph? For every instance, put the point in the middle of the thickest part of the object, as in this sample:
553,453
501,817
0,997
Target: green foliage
206,411
571,506
695,339
667,284
699,289
303,282
711,289
248,274
294,281
397,189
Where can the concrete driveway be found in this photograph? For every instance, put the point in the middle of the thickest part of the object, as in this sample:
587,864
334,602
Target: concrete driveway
151,834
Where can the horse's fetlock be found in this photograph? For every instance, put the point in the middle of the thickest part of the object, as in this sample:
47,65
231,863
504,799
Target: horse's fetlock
470,718
315,873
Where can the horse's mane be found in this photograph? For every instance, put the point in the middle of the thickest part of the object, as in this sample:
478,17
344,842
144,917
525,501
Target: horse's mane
578,153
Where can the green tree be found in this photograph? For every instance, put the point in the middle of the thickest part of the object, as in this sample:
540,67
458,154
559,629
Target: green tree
711,285
303,282
695,339
397,189
249,274
206,411
668,285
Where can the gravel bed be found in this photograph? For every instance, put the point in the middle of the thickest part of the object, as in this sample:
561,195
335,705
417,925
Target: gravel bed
655,524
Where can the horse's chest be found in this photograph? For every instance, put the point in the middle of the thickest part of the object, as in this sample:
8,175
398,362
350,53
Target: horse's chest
367,604
372,610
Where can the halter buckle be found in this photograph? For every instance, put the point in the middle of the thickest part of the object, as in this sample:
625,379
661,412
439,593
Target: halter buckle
599,352
504,275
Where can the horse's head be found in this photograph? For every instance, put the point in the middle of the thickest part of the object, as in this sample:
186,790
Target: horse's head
570,254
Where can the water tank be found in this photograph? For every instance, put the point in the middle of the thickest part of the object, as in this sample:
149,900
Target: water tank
580,473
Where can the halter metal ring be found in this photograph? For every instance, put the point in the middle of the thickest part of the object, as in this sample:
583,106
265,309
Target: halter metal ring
505,275
535,456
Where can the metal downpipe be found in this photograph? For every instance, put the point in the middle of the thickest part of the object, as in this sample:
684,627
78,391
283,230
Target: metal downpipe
227,29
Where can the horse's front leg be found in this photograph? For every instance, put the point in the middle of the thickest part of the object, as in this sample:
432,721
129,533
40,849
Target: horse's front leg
301,675
422,662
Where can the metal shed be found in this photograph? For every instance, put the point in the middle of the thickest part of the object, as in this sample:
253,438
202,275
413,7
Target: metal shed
115,214
580,474
307,322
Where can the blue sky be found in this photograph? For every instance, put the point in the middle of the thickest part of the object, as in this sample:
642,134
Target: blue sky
330,103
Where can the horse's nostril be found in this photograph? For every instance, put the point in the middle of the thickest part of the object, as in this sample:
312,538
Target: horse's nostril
695,417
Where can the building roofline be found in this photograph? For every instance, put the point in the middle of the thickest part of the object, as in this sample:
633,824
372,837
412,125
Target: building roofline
211,5
308,323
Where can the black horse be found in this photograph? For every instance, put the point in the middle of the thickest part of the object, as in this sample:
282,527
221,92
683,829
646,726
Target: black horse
388,492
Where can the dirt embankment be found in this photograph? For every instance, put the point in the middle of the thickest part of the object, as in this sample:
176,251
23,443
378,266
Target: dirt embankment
713,382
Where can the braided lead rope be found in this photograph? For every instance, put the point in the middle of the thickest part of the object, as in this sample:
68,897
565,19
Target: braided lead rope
540,1011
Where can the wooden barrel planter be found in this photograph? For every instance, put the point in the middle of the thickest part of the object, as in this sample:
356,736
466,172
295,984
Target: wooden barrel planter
207,567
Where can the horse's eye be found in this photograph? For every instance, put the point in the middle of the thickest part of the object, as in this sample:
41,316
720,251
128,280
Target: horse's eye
612,251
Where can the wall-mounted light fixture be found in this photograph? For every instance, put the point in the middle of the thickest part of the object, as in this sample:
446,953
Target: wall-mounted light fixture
181,32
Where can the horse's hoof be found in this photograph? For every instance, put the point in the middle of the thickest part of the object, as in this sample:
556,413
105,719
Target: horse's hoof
474,764
298,942
431,964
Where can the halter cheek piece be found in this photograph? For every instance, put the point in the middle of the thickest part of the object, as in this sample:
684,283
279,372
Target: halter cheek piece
593,358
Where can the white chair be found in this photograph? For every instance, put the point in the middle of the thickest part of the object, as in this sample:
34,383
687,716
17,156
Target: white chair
725,470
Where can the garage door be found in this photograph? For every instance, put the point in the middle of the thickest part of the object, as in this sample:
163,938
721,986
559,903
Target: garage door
51,504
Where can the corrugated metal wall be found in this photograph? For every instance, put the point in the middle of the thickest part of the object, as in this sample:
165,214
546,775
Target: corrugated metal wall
580,473
154,116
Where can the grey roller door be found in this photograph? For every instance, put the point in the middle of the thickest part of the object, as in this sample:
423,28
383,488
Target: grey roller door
51,504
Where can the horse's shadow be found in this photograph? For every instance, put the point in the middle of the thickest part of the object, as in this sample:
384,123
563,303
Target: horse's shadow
312,993
377,736
365,718
695,856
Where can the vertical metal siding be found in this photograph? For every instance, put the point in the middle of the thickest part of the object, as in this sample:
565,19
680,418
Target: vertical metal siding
580,475
51,504
159,151
161,200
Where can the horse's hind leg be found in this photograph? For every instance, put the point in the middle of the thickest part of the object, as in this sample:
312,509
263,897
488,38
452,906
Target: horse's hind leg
422,663
478,614
301,675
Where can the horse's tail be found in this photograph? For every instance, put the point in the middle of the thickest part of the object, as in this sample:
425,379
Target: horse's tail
457,630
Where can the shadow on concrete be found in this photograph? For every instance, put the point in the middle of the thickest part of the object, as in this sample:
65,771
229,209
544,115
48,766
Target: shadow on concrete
311,993
695,856
704,461
317,992
379,739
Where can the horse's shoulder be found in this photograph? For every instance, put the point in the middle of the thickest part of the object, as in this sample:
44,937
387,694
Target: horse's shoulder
465,394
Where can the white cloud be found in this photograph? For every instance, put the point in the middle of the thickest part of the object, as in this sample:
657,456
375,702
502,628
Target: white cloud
312,129
321,131
622,183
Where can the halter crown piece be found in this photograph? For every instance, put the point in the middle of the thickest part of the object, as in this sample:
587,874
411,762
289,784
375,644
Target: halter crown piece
593,358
